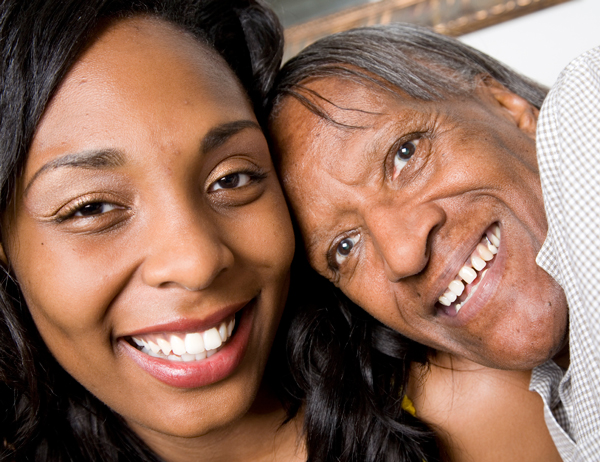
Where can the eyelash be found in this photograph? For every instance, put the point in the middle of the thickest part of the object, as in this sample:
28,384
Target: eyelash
334,254
253,177
413,140
80,213
74,211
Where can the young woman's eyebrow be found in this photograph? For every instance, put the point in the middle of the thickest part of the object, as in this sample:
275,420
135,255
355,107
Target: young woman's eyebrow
106,158
101,158
219,135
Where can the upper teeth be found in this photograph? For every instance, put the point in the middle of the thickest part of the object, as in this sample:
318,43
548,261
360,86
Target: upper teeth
191,346
485,251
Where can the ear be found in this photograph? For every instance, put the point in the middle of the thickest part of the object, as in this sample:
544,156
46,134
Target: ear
517,108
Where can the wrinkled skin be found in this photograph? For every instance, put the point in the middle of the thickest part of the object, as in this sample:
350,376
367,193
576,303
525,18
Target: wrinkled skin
394,197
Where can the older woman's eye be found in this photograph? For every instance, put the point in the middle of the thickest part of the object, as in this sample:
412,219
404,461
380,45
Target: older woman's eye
344,248
94,208
403,155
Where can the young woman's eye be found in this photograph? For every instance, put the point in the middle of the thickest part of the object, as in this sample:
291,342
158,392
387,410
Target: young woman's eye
344,248
403,155
94,208
231,181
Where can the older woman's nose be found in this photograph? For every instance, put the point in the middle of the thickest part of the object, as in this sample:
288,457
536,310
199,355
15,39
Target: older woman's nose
402,236
185,251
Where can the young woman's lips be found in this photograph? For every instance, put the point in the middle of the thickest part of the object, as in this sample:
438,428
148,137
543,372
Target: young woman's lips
198,373
473,278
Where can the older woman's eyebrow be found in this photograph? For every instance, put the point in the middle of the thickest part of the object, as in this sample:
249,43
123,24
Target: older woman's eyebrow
102,158
219,135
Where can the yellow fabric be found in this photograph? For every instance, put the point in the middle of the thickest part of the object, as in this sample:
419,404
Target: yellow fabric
408,406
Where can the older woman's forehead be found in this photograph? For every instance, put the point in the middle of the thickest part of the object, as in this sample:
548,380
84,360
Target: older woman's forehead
316,155
344,103
349,98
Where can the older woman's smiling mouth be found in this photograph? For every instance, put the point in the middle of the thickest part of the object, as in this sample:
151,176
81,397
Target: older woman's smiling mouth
469,277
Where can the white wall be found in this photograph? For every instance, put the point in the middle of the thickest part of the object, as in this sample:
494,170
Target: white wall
541,44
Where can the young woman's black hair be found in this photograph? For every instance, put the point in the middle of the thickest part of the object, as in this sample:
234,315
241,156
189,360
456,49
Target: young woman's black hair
351,372
45,415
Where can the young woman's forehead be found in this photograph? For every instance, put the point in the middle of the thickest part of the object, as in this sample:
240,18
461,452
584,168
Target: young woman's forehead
107,79
142,36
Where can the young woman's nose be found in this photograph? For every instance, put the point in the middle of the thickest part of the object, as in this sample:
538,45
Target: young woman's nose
185,250
402,236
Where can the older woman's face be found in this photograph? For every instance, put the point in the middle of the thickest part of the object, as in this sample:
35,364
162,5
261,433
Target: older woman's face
429,216
148,222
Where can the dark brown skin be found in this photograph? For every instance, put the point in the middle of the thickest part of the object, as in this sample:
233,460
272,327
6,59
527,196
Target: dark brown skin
414,224
151,235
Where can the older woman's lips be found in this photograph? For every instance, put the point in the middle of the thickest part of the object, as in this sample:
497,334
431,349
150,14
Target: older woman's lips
465,284
193,359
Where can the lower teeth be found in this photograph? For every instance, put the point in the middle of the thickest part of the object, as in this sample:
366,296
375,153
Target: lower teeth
183,358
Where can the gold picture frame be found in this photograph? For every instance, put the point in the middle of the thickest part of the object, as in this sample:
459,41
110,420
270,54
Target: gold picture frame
451,17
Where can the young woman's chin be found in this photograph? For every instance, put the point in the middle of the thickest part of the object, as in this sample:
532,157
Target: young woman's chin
197,398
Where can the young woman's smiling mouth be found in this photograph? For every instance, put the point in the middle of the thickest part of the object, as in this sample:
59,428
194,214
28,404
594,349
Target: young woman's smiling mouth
186,346
192,356
467,281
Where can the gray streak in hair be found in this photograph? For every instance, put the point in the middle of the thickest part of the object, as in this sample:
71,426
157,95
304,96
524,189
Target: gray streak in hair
421,63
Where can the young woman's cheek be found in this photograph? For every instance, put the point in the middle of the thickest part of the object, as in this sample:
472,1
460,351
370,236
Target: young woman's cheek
261,234
68,280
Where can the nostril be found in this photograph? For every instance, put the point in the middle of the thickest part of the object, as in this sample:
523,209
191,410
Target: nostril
193,265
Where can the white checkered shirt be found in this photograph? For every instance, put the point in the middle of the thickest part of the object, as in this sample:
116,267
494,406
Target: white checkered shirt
568,145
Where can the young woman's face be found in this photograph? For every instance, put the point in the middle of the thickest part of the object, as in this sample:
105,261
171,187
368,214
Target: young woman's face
149,212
